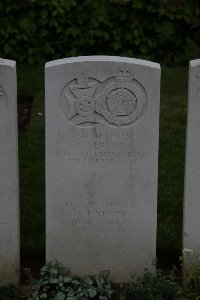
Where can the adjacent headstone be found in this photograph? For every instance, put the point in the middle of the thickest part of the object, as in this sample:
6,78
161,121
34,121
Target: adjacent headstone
191,219
102,125
9,203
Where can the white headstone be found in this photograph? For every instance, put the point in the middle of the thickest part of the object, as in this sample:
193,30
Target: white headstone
191,219
102,124
9,202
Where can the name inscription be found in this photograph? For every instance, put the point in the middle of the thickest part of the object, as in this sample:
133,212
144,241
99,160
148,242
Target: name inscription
100,147
100,221
98,226
86,217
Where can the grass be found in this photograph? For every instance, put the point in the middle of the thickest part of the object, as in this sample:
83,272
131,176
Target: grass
171,164
31,163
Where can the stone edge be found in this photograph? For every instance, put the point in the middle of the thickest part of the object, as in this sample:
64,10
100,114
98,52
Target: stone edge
7,62
102,58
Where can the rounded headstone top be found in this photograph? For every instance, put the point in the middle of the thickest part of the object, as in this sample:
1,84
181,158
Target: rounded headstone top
7,62
101,58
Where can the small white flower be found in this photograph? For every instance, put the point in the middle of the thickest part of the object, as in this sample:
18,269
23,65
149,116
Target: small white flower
187,251
40,114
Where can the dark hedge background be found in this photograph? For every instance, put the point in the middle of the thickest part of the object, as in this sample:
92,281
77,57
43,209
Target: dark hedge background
35,31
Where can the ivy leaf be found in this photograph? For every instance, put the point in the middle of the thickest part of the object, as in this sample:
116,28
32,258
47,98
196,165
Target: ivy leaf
89,281
92,292
59,296
105,274
53,280
67,279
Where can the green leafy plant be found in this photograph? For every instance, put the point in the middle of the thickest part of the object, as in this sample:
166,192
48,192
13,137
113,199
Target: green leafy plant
55,283
191,276
163,286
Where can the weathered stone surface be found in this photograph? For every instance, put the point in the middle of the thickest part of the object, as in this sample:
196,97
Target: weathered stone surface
9,204
102,124
191,219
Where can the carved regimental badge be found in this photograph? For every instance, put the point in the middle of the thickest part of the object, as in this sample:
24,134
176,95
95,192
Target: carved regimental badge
3,104
118,101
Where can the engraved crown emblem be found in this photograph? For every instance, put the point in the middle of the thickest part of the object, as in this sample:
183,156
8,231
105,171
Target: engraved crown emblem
82,82
124,76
